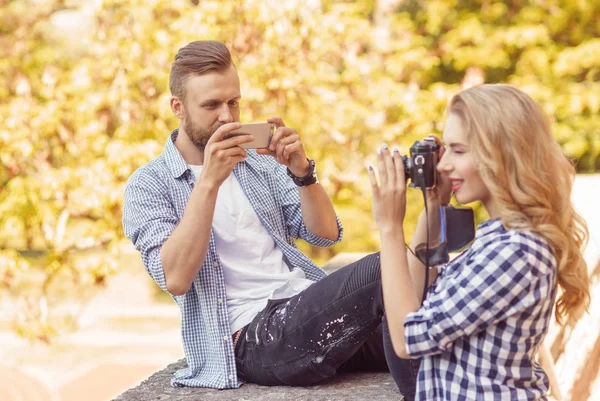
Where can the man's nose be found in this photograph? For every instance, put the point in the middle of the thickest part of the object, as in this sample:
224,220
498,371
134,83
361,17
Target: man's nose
225,114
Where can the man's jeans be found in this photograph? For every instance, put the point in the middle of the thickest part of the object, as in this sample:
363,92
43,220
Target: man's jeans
335,325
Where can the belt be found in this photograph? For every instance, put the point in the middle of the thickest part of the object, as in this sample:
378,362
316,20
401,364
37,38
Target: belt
235,337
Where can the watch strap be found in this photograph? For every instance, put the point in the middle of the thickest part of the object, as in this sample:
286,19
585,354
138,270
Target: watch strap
308,179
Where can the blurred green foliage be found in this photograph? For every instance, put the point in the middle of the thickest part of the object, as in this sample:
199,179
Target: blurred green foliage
85,101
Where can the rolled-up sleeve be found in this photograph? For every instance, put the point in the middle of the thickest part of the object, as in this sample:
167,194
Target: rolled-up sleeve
496,283
148,221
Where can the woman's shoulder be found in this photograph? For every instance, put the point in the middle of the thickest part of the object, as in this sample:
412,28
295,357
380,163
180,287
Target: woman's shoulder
525,245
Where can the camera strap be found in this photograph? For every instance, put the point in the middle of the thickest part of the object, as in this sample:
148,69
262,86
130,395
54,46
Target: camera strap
425,286
457,230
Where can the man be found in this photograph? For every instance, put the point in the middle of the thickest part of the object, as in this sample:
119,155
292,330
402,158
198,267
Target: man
215,225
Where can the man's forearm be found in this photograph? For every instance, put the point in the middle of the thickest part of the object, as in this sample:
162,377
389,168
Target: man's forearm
183,253
318,213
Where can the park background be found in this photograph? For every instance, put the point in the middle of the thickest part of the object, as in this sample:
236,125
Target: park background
84,101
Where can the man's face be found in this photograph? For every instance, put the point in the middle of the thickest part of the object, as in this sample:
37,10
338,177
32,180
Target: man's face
212,100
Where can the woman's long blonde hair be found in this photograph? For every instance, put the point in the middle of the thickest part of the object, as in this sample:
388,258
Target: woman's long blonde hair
530,180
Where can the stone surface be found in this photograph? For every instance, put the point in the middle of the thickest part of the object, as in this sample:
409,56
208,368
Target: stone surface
354,386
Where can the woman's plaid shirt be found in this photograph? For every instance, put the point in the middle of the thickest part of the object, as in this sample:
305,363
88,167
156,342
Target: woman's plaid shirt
484,318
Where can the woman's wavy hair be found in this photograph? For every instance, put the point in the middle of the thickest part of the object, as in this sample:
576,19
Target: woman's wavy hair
530,180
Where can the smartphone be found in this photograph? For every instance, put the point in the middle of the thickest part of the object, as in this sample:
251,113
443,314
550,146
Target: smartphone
263,132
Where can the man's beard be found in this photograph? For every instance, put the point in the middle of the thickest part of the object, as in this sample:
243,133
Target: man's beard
198,136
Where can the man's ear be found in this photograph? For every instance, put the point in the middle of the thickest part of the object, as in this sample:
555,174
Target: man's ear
178,107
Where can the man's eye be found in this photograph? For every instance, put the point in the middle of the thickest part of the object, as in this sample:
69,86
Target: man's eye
210,105
234,103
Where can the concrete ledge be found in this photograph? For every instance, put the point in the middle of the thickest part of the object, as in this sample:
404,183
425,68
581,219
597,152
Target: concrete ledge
354,386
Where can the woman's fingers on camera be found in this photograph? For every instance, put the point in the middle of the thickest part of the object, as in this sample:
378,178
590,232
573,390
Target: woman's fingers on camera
440,143
398,165
381,167
437,139
390,168
389,163
372,178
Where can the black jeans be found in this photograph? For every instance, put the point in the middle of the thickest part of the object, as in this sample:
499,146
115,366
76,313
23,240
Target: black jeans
335,325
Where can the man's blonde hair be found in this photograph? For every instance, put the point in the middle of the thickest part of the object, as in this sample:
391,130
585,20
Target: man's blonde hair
197,58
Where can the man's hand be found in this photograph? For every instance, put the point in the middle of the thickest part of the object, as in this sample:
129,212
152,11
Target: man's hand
220,156
287,148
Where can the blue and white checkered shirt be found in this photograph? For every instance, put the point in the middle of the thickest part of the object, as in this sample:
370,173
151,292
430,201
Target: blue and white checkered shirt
484,318
155,198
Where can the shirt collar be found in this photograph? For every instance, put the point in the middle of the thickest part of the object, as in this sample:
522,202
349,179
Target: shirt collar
173,158
488,227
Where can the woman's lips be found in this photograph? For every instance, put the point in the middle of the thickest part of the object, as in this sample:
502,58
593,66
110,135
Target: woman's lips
456,184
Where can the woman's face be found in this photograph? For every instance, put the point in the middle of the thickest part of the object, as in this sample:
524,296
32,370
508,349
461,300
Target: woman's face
460,164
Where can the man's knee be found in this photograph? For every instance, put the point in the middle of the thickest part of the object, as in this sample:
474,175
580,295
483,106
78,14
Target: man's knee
365,272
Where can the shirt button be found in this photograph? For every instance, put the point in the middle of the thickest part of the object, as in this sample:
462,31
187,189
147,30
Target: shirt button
230,377
225,338
220,300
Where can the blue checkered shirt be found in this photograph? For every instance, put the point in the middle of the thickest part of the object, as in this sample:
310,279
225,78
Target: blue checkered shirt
155,198
484,318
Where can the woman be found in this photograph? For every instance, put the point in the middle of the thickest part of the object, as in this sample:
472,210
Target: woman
487,311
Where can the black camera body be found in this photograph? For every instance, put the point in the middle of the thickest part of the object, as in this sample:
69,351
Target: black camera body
420,166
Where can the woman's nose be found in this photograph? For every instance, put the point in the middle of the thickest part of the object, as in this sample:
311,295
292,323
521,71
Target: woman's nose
444,165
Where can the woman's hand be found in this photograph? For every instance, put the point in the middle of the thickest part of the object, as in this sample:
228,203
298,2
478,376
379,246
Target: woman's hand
389,195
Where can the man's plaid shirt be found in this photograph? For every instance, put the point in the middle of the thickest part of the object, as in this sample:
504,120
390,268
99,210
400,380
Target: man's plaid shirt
484,318
155,198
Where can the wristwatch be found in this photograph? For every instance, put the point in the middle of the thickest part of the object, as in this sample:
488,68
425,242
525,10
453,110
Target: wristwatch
308,179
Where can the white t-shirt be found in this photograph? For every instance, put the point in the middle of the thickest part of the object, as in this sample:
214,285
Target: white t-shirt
252,262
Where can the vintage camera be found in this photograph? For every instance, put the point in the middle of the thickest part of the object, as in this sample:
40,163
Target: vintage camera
420,166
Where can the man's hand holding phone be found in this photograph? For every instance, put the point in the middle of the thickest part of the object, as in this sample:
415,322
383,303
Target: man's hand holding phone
286,148
222,154
262,133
